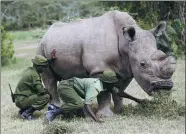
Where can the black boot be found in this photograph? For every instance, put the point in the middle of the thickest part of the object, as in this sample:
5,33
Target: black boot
52,107
27,114
51,114
80,113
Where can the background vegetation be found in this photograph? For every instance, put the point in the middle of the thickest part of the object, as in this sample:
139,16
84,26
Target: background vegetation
7,48
29,14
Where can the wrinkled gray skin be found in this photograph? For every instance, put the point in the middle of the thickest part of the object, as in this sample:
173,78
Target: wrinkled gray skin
114,41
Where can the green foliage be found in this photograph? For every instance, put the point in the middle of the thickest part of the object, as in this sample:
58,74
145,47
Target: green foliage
30,14
33,34
7,48
170,41
143,24
177,41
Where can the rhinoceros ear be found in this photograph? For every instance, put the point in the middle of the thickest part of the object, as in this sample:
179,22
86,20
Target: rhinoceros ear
159,29
129,33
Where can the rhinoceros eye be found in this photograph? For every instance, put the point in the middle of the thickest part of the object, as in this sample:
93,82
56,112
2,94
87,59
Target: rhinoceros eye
142,64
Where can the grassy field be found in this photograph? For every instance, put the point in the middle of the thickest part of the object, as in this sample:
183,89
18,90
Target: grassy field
28,35
132,121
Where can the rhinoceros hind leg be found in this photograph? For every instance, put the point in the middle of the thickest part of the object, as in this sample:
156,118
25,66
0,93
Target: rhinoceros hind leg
104,100
51,84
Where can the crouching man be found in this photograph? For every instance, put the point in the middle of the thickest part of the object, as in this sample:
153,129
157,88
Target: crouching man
30,95
72,90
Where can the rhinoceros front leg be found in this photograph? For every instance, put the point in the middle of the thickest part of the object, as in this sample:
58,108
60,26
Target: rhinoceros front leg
104,101
126,95
118,101
51,84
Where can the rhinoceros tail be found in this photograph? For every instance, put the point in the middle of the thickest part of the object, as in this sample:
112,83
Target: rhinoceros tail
40,49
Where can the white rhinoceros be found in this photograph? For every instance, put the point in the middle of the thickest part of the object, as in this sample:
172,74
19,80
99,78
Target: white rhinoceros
86,48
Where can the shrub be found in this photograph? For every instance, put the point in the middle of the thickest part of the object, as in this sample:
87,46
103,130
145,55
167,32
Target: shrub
170,41
7,48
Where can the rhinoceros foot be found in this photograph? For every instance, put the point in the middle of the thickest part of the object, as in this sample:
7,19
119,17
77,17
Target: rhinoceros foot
118,104
104,100
118,109
104,112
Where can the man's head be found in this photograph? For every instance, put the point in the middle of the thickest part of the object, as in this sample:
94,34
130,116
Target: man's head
40,63
109,79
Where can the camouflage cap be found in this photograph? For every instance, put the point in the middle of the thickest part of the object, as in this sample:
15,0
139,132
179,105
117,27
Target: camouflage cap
109,76
40,60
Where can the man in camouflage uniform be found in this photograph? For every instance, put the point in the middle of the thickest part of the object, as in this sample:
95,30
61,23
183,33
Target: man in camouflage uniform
30,95
72,90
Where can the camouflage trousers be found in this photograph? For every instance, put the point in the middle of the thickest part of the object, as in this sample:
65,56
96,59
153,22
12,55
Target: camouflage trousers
36,101
72,101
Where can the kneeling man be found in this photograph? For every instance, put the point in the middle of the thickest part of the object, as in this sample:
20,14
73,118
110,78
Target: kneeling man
72,91
30,95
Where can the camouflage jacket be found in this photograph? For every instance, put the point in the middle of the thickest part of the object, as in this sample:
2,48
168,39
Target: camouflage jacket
30,83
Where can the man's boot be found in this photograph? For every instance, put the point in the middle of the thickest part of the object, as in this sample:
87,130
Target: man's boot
52,107
27,114
51,114
80,113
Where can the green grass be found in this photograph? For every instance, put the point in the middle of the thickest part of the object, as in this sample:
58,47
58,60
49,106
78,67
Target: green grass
159,116
30,35
161,106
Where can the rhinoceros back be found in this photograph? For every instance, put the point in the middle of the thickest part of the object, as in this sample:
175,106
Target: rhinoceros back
83,46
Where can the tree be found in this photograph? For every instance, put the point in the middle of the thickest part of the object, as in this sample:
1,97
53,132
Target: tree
7,49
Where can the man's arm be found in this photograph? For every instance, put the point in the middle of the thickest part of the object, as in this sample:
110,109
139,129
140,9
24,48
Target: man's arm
37,85
91,113
41,90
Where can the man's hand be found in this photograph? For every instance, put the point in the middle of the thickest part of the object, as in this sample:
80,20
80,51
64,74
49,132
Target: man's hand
91,113
100,121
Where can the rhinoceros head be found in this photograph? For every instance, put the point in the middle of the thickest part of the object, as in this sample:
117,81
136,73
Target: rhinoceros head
151,68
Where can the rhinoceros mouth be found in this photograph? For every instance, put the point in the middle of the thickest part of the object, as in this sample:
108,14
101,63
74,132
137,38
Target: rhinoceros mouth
161,85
